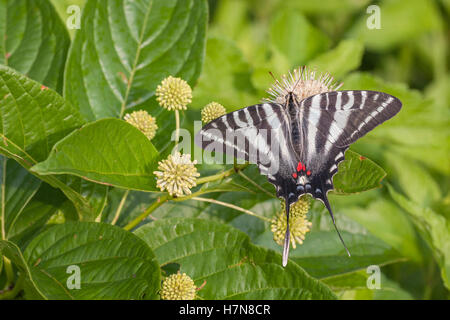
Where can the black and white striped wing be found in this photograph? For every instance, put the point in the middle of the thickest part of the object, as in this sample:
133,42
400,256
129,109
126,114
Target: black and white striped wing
333,121
258,134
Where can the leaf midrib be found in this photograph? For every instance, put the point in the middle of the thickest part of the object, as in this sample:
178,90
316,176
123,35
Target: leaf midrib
136,60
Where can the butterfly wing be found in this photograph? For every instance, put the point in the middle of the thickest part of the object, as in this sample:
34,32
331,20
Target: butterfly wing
330,122
260,134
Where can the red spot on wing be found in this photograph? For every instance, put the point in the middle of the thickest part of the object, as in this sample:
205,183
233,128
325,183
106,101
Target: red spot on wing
294,175
308,173
299,166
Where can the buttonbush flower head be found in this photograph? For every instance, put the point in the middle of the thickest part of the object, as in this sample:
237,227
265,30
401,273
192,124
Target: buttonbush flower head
303,82
143,121
212,111
178,286
298,224
174,94
178,174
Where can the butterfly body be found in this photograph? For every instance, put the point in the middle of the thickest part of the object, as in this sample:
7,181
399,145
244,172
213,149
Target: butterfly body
297,144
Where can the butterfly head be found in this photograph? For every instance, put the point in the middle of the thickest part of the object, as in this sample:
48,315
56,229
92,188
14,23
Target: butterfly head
292,102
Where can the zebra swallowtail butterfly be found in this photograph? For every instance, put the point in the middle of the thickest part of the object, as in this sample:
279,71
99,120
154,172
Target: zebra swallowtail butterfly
298,138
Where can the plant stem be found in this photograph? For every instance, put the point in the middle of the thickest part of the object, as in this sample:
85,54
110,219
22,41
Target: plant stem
177,128
200,181
243,175
120,207
232,206
148,211
222,175
9,272
18,286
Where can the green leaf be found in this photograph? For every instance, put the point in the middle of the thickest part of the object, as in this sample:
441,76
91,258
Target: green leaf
224,259
13,253
35,40
386,221
114,264
323,255
36,214
327,6
117,64
357,174
344,58
418,130
225,77
33,118
394,31
18,187
434,228
293,35
117,154
354,286
96,194
422,180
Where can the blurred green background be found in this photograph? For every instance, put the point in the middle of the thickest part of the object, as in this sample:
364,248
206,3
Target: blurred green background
407,57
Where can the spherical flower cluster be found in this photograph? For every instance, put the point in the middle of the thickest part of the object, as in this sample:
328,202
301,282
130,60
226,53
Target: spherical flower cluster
212,111
178,174
178,286
298,224
304,83
174,94
143,121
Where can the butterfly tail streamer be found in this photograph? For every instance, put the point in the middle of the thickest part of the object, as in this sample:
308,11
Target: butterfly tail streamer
287,237
327,205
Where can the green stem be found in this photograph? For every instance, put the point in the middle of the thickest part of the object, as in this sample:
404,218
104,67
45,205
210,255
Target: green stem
9,272
167,197
222,174
177,128
161,200
243,175
120,207
11,294
232,206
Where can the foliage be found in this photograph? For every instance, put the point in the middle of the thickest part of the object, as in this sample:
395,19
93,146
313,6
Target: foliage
78,183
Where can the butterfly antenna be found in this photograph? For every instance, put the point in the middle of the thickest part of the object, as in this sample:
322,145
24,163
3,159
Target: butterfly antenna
327,205
287,237
270,72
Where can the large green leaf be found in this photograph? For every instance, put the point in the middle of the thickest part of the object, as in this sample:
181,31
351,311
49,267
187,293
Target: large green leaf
125,48
114,264
108,151
33,118
386,221
224,259
434,228
18,187
35,40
